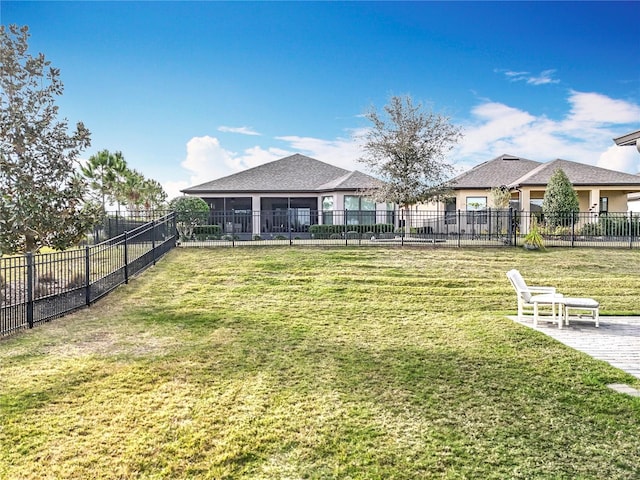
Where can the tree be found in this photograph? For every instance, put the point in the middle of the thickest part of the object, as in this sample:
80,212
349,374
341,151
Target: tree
501,197
42,199
153,195
406,148
105,171
190,212
130,190
560,202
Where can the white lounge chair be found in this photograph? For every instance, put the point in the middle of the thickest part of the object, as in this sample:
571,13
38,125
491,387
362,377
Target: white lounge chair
583,307
530,298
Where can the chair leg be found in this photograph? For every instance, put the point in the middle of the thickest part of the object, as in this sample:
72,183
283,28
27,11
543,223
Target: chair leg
535,314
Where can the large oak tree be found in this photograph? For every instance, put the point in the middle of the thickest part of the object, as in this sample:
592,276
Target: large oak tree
41,195
406,148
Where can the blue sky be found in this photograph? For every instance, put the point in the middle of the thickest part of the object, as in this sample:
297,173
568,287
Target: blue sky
190,91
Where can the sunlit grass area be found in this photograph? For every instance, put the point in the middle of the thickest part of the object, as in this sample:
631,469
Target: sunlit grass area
370,363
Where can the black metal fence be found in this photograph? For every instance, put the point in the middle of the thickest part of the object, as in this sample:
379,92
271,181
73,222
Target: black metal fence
460,228
116,223
38,288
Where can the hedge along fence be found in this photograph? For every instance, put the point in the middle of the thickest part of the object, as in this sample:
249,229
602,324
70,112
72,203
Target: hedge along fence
38,288
326,231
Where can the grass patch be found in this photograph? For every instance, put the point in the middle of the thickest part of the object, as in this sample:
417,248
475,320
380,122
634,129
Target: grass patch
312,363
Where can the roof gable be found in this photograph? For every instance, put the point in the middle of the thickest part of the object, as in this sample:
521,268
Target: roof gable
502,170
296,173
579,174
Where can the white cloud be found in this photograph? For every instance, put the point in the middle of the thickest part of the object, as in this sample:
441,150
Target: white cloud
584,135
595,108
543,78
623,159
341,152
207,159
173,188
240,130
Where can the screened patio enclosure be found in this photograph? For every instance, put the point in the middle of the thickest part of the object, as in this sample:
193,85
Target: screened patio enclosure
277,214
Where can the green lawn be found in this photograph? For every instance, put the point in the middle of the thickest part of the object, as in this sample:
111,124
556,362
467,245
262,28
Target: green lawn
287,363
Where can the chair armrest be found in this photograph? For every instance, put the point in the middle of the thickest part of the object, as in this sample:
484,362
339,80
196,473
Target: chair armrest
542,289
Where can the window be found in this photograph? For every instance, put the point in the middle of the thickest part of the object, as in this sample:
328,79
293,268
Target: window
327,210
476,210
360,211
604,204
450,211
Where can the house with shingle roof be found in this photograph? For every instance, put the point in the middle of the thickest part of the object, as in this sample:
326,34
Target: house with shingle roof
599,189
292,192
631,139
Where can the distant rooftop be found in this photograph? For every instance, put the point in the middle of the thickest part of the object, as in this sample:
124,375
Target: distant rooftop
296,173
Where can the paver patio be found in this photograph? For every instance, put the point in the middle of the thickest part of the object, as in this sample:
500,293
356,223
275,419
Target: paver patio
616,341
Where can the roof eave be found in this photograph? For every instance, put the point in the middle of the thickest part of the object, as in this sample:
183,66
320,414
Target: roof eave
629,139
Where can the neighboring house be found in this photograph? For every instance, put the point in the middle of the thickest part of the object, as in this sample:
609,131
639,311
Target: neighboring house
599,190
291,194
631,140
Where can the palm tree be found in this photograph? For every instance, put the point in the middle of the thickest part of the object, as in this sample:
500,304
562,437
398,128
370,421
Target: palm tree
131,189
153,194
104,171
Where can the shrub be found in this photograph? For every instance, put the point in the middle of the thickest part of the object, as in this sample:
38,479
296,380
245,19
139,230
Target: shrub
280,237
591,229
612,225
555,231
207,232
560,203
257,237
190,212
326,231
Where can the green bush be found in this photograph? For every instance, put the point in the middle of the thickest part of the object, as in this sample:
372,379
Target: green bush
554,231
619,225
612,225
327,231
591,229
207,232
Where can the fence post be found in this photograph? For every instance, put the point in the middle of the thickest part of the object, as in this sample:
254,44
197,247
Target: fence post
30,282
87,272
490,224
153,241
630,229
289,211
344,229
126,259
459,223
510,228
573,229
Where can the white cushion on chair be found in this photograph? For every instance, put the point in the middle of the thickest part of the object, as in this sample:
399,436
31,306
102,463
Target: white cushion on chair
579,302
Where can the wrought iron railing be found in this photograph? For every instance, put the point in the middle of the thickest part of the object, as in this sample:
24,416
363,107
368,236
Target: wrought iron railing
36,288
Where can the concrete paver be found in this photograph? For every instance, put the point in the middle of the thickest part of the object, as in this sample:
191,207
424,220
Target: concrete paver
616,341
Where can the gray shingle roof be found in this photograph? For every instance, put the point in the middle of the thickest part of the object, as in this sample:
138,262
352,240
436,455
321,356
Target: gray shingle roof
296,173
578,173
502,170
515,171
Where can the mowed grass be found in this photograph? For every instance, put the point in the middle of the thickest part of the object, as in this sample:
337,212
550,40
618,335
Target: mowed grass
287,363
